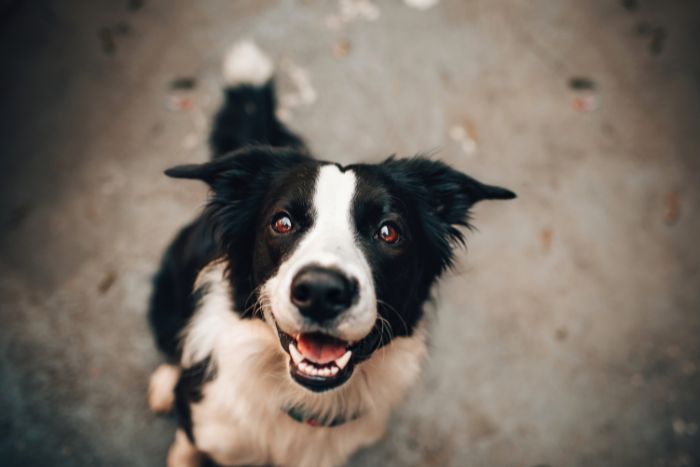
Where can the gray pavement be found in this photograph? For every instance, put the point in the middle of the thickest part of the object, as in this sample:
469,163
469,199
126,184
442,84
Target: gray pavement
568,334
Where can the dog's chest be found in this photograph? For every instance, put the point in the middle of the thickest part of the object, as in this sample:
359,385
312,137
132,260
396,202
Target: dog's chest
241,417
251,427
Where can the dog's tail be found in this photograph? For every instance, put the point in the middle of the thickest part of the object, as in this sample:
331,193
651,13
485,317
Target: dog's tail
247,115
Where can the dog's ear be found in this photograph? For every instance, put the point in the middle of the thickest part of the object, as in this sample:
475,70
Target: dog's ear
443,197
238,182
448,193
204,172
242,165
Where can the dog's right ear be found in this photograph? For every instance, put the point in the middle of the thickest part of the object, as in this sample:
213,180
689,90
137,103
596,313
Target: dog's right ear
204,172
242,165
238,183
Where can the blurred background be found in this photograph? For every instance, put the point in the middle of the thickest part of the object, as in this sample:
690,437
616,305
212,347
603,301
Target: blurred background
568,335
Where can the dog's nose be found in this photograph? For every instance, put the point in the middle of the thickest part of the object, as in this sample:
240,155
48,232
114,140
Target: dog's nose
322,294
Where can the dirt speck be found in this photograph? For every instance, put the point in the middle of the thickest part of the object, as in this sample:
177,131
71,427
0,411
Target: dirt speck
107,36
673,208
183,83
585,103
656,35
684,427
561,334
178,103
581,83
341,48
107,282
546,239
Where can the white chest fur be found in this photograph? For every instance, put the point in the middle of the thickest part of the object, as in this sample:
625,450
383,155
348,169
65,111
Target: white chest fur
240,419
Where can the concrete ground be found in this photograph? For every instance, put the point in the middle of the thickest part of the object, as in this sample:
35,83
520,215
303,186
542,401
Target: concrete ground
567,336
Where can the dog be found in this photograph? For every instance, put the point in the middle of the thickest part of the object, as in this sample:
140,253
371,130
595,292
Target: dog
292,309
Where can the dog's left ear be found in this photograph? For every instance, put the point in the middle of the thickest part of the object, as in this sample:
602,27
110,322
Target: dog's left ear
449,193
443,197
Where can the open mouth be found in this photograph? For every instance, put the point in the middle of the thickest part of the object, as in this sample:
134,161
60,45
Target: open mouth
318,361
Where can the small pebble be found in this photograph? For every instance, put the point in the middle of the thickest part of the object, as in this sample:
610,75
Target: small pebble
466,136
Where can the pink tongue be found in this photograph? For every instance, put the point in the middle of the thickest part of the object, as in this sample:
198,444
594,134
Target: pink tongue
319,348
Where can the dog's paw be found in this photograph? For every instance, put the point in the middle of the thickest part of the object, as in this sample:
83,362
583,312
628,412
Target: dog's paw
182,453
161,388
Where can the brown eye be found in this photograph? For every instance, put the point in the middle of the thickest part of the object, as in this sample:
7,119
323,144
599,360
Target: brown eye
282,224
389,233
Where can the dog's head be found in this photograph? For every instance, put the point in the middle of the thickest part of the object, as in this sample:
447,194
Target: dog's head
338,260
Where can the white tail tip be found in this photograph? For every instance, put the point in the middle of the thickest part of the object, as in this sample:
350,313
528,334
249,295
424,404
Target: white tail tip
245,63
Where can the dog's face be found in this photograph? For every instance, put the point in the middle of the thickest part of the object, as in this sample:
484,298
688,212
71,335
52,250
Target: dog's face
338,260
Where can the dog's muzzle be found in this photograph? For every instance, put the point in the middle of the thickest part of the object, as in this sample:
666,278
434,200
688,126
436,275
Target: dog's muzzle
319,358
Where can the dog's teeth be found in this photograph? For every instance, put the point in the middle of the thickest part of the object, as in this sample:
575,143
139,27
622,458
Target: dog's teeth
296,356
308,369
344,359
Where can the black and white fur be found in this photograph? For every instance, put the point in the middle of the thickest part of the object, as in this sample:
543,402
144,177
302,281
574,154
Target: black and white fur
226,304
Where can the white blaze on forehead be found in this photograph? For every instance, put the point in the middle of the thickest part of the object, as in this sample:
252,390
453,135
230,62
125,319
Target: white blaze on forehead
329,243
335,191
331,240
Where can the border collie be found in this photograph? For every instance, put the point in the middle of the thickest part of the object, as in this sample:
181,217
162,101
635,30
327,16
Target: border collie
291,309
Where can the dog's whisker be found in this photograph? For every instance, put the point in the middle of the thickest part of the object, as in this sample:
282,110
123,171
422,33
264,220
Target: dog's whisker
392,309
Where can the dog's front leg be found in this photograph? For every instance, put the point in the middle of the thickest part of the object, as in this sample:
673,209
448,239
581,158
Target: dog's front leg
183,453
161,388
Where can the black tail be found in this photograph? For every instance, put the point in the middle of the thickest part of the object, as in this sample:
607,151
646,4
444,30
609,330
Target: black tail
247,115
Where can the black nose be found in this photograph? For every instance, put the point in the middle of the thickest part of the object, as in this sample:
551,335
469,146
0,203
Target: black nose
322,294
